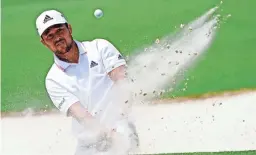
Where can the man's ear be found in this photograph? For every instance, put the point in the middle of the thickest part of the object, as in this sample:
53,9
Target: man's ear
43,42
70,28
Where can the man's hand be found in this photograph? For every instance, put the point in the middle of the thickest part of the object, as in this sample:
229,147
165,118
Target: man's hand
94,134
92,126
104,142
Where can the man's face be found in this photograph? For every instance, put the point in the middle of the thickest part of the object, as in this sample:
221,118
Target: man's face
58,38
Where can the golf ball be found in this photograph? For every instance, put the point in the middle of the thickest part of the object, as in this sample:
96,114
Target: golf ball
98,13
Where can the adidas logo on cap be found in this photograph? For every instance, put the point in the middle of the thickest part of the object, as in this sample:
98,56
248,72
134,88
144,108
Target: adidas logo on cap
47,18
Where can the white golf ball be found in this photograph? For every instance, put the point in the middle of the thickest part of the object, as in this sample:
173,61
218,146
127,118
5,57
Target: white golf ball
98,13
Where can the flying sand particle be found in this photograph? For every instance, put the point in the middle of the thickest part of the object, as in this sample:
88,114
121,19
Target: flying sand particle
157,41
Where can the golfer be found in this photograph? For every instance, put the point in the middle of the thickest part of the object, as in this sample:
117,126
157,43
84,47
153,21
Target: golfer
81,84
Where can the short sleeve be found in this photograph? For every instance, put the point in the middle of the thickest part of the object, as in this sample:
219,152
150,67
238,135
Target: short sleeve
111,57
60,97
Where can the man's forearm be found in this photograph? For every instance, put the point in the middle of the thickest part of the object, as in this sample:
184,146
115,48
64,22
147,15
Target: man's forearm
118,73
82,115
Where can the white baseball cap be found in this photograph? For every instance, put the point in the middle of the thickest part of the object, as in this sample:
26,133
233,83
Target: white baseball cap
49,18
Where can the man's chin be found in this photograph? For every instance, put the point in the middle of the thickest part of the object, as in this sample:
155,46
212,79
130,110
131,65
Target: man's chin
63,50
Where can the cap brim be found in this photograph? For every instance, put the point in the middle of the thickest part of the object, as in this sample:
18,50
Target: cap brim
48,25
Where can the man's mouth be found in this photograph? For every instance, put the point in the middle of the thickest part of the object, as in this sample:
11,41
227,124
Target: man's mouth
59,42
68,48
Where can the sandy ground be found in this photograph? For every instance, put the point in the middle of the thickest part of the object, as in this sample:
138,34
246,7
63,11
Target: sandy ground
214,124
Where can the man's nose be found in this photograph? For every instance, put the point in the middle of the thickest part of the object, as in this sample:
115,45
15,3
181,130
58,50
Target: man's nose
57,39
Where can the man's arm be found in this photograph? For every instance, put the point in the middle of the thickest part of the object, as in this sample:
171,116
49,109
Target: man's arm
113,60
118,73
116,68
82,115
69,104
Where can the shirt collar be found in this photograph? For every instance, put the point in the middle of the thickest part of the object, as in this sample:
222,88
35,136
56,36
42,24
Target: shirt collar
62,64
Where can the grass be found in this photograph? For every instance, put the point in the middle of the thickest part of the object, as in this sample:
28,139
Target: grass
228,65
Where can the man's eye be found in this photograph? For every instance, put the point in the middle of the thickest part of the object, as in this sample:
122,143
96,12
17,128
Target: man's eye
59,30
50,36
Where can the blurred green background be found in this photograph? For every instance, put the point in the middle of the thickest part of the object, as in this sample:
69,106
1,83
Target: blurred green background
228,65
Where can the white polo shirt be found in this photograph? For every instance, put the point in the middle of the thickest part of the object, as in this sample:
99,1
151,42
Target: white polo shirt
87,81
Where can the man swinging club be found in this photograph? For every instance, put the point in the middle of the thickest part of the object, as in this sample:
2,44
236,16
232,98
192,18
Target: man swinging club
80,84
